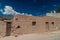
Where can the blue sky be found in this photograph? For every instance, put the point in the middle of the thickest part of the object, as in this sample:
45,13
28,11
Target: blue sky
34,7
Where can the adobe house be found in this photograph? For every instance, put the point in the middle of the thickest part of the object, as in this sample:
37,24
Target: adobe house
21,24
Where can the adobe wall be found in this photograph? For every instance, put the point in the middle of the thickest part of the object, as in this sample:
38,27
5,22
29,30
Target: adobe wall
55,25
25,23
2,28
43,24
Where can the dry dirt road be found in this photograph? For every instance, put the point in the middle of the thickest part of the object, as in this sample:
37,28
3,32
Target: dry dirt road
45,36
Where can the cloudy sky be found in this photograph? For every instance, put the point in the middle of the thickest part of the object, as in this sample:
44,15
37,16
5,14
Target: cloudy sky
31,7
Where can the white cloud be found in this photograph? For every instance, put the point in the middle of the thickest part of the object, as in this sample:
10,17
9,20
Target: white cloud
28,14
7,10
10,10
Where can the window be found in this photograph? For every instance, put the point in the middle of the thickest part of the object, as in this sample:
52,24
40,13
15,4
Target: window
52,23
18,27
46,22
16,18
33,23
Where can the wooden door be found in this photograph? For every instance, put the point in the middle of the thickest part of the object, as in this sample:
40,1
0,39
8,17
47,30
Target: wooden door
8,28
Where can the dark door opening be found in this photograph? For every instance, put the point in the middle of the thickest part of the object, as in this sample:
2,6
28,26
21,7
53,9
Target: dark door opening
8,28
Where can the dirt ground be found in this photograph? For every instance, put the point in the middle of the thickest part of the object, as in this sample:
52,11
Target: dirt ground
45,36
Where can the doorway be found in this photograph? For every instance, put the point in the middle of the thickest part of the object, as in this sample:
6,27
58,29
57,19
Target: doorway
47,26
8,28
